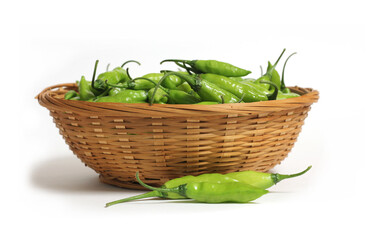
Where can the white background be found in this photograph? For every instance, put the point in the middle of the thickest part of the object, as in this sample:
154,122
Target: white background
49,194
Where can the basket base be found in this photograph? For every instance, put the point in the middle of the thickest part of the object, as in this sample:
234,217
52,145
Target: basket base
122,184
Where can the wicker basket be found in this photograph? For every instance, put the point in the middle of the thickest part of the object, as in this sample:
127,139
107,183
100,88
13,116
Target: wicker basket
165,141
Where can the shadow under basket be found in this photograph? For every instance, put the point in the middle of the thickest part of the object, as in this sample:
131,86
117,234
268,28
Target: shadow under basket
166,141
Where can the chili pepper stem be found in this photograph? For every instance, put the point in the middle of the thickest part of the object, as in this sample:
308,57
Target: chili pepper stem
279,177
145,195
158,85
273,95
283,86
94,75
161,190
274,65
176,60
129,61
128,73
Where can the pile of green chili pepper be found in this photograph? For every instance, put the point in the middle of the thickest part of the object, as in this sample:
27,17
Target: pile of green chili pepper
236,187
199,82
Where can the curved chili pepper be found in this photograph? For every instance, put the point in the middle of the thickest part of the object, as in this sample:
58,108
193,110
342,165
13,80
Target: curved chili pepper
210,66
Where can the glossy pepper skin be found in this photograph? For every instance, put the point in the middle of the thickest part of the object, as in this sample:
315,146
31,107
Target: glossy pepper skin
262,180
85,92
171,82
210,66
159,97
174,96
208,177
181,97
249,92
186,88
208,192
206,90
70,94
237,79
282,95
140,83
260,87
125,96
117,75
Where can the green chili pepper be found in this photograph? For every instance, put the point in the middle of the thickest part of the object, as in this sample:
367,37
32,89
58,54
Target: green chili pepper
206,90
117,75
287,95
207,177
262,180
186,88
71,94
143,83
251,91
125,96
85,90
171,82
115,89
139,83
208,192
284,89
259,86
210,66
181,97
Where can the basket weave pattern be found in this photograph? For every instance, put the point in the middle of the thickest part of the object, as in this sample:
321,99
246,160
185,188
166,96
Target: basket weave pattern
165,141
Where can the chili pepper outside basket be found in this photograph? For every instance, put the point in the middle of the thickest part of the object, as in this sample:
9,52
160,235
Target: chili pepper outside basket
166,141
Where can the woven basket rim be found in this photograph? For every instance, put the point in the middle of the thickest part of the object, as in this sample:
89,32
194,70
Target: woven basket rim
52,98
